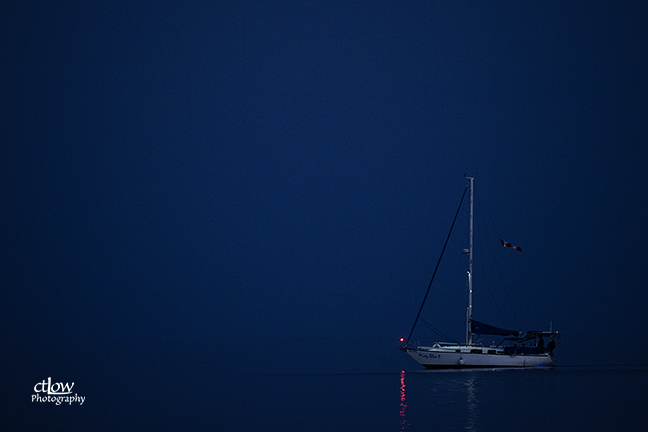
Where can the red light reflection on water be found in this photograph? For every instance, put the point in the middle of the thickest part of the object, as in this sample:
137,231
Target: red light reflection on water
403,405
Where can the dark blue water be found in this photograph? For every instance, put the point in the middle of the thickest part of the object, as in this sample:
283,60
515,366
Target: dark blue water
306,387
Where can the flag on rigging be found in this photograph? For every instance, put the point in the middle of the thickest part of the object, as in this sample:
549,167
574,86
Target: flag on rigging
509,245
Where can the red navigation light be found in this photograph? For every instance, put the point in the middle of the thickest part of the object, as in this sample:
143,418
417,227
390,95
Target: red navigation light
401,339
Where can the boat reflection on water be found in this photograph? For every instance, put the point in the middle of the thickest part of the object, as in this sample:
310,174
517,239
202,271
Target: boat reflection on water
448,398
532,400
403,406
471,404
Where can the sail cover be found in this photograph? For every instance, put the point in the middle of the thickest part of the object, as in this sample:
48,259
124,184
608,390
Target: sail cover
480,328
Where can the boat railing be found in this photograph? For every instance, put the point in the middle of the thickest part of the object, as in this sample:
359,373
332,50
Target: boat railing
417,345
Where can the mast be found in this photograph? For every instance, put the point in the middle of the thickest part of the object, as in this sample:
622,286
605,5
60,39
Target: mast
471,181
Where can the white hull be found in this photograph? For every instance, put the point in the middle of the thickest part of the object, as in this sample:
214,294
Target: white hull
474,357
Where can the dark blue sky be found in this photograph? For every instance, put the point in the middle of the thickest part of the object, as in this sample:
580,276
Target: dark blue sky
290,169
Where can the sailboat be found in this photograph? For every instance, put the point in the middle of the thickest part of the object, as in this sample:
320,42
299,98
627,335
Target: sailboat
513,351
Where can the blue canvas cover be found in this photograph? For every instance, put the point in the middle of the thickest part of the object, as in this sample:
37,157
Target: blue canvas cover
480,328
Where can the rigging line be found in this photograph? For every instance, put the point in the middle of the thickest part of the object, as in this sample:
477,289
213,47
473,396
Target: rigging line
499,271
497,266
437,265
506,291
481,266
437,331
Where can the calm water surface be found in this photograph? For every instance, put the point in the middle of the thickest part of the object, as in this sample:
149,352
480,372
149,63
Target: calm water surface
180,388
560,399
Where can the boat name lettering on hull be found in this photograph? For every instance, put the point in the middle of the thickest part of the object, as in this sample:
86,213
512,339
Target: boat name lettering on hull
429,355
